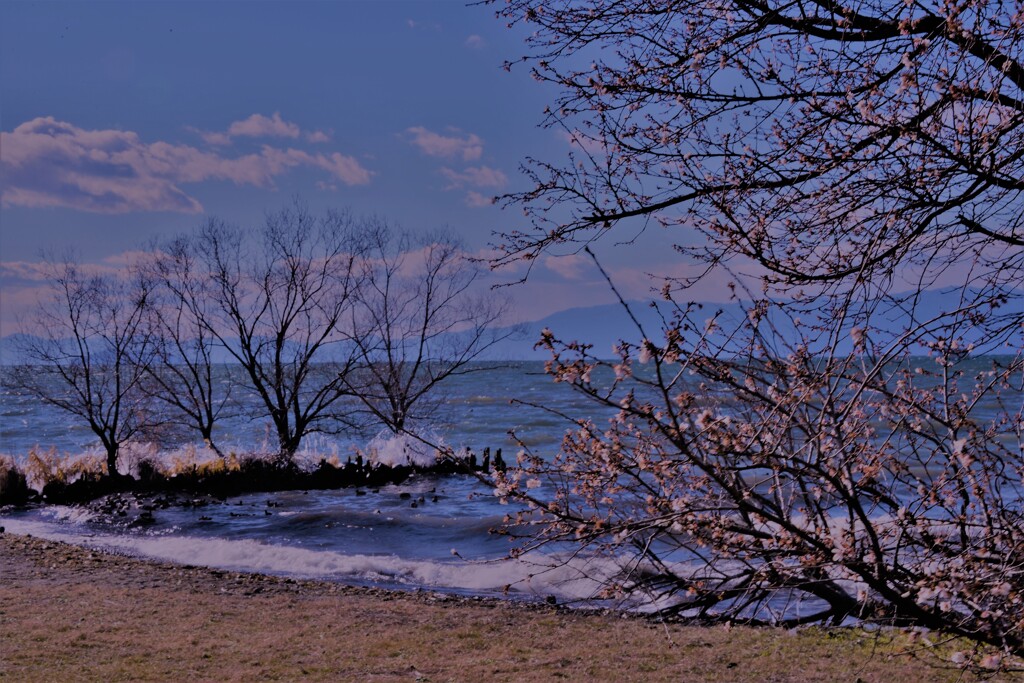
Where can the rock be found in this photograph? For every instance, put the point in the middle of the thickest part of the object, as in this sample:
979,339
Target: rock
144,519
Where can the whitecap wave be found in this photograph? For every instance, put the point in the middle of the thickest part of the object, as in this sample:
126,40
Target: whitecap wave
392,449
69,513
534,574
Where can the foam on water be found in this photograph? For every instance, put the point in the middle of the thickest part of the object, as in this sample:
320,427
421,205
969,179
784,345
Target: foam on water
69,513
534,574
392,449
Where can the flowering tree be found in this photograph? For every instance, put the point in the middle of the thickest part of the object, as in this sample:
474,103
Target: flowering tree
824,142
831,446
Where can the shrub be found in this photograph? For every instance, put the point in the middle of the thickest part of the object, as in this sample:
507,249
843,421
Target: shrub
46,467
14,488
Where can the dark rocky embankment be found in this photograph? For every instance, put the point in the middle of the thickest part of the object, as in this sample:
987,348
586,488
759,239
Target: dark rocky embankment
250,475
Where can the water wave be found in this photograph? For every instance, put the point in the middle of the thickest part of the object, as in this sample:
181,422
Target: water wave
533,575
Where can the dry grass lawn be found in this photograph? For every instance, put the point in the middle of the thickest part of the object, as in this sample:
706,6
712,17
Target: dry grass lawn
72,614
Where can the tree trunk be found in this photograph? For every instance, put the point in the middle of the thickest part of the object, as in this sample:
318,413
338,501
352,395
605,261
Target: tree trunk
112,449
288,444
207,434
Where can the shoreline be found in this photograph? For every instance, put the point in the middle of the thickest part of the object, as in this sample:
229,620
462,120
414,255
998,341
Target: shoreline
79,614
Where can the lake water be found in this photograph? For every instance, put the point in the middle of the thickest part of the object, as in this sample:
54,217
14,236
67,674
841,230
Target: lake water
435,536
372,537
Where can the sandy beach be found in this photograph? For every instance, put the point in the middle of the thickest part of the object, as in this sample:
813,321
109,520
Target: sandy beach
75,614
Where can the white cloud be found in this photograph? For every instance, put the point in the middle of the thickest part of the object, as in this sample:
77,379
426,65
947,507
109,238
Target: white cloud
477,200
23,284
212,138
474,176
318,136
47,162
23,272
259,126
423,25
468,147
570,266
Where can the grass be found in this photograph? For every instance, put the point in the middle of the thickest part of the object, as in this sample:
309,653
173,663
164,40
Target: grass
71,614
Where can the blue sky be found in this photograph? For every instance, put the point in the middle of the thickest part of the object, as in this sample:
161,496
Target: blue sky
125,122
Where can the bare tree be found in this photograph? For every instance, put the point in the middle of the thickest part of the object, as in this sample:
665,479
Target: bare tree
282,312
184,375
89,351
423,317
832,438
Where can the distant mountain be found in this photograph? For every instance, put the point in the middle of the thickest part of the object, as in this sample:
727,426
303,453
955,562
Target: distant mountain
601,326
605,325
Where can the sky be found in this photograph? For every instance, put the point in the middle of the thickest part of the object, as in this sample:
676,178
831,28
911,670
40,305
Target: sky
121,123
